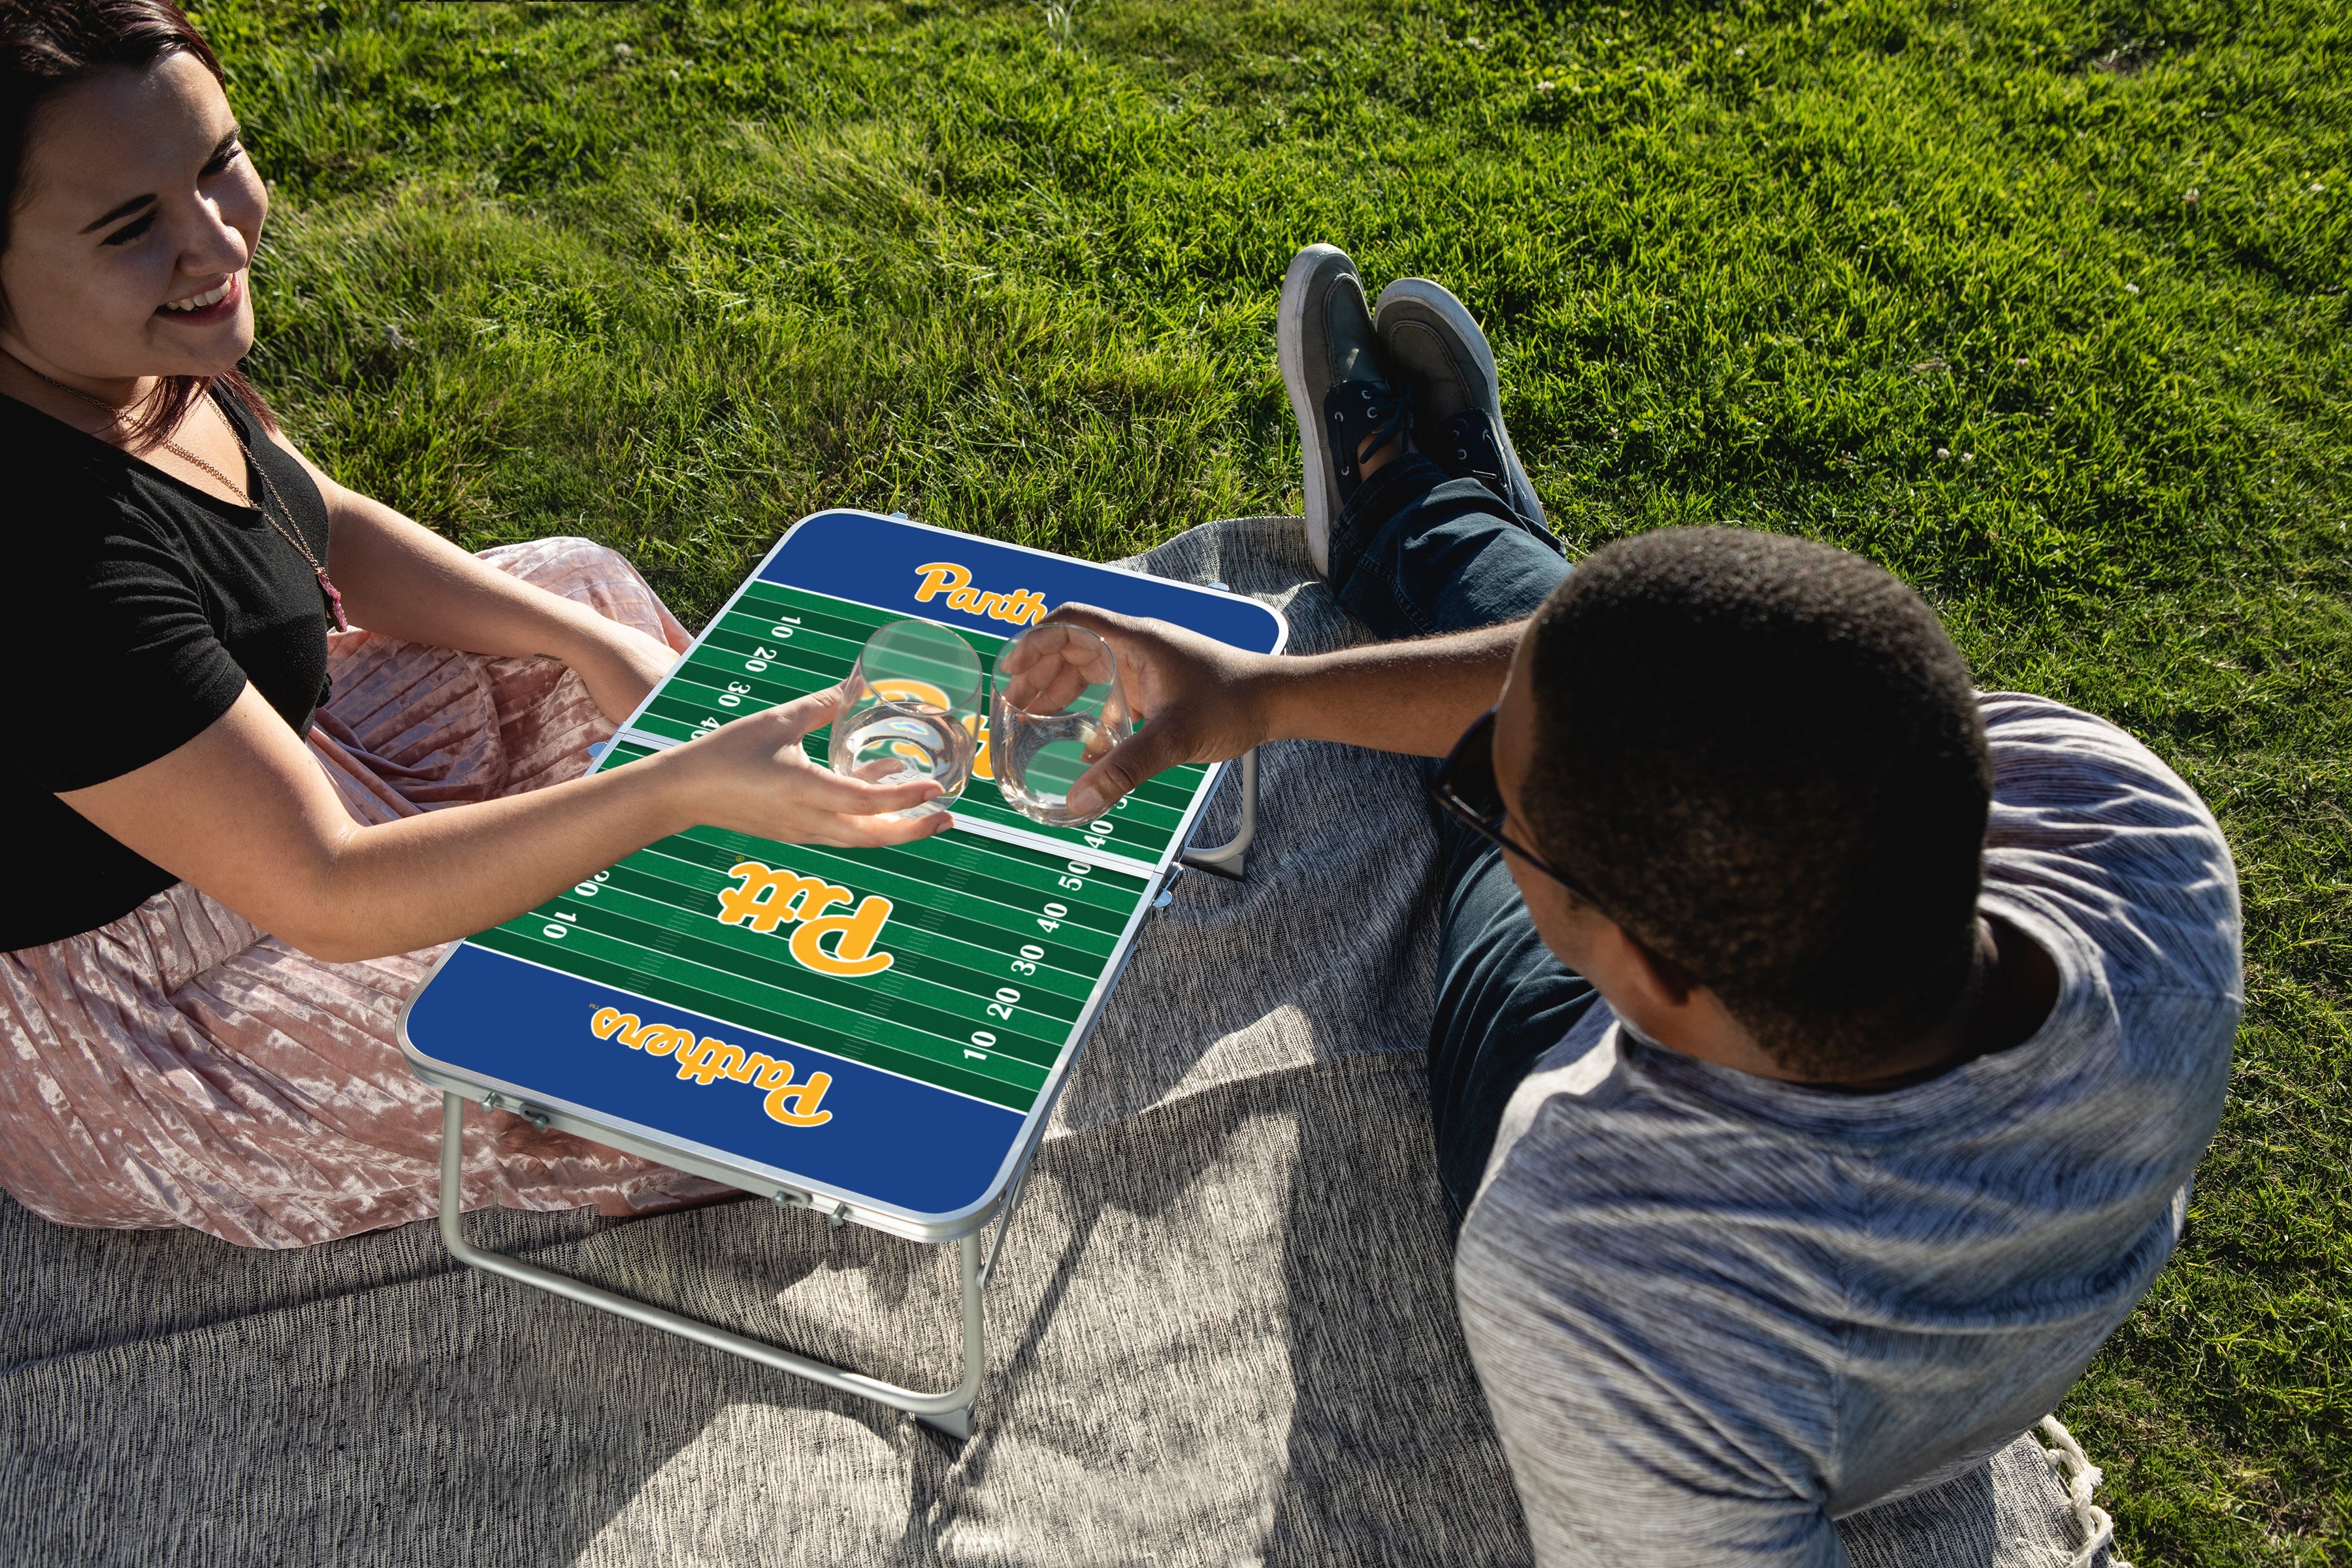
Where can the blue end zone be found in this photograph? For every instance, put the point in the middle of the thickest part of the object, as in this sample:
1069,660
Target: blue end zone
878,560
889,1139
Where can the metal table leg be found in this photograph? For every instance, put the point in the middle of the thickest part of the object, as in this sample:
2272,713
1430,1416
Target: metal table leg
951,1412
1229,858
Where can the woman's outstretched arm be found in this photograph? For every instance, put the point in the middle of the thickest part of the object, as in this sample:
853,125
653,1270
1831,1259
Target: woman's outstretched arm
244,813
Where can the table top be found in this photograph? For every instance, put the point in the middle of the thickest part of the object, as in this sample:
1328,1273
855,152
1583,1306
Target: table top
884,1031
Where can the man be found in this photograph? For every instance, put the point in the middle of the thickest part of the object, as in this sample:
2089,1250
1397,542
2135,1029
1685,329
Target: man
1822,1050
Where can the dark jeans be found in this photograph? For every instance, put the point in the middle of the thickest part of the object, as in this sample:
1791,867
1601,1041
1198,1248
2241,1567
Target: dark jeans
1413,554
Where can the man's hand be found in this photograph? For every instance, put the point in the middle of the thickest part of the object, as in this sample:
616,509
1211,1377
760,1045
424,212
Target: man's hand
1203,699
1208,702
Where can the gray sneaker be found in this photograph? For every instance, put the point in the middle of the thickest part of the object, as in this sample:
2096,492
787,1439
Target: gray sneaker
1435,346
1338,380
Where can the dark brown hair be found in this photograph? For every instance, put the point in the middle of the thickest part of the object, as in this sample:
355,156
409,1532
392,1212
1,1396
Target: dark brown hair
1764,757
48,45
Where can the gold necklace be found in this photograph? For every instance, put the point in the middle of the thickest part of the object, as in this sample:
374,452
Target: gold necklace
268,493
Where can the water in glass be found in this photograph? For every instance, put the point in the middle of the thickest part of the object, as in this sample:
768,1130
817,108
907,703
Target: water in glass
913,707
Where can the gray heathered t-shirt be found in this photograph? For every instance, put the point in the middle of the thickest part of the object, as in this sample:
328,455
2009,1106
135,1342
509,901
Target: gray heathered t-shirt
1714,1312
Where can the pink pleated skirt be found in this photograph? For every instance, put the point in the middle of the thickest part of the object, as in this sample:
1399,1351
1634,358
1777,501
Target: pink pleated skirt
182,1068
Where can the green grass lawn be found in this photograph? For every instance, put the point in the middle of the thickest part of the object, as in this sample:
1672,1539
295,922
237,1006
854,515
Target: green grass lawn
2041,304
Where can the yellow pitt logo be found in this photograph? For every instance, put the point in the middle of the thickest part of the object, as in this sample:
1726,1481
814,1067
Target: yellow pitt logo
924,692
1023,606
767,897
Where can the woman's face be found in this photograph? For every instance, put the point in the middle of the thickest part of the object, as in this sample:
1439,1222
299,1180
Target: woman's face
136,218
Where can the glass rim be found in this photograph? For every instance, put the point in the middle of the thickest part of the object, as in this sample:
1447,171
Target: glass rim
998,678
972,699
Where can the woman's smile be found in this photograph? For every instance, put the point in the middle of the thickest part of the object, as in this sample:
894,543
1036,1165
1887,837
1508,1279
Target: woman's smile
218,303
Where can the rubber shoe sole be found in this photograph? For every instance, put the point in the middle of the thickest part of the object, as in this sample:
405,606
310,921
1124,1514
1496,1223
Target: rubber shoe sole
1433,306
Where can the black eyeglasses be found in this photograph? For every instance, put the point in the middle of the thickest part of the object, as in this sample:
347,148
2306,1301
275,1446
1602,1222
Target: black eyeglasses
1465,786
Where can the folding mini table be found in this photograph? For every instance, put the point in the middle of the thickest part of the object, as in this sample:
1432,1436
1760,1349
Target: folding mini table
877,1035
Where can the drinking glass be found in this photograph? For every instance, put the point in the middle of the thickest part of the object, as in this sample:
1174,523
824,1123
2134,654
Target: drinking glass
1056,709
913,711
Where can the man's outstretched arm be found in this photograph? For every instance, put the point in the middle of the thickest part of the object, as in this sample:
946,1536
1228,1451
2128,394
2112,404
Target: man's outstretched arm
1207,703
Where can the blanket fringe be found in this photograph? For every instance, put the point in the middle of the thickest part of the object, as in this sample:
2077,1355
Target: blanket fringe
2082,1478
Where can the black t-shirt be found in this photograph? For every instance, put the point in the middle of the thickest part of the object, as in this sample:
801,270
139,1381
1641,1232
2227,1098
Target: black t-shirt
140,607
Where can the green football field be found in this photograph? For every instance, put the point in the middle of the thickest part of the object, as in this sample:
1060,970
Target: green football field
996,944
2041,303
775,643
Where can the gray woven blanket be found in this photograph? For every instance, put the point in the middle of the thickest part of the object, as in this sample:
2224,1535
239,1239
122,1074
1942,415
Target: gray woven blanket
1223,1330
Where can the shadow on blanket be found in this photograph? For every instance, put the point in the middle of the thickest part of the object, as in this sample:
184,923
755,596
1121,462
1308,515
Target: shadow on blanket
1222,1330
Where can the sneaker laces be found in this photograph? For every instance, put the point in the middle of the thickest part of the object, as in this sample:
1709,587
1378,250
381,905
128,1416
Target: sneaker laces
1471,435
1380,412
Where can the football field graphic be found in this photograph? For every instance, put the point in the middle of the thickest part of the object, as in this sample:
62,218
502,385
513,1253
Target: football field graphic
886,1025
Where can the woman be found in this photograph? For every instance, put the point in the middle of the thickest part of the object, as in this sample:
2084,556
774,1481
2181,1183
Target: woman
242,835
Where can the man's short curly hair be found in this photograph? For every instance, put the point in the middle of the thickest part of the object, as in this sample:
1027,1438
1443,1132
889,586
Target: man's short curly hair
1764,757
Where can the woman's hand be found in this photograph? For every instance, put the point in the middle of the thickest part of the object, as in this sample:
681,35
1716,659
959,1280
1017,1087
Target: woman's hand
751,776
245,812
619,665
1202,699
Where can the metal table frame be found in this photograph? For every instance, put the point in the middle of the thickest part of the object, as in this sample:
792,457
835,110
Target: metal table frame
949,1412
